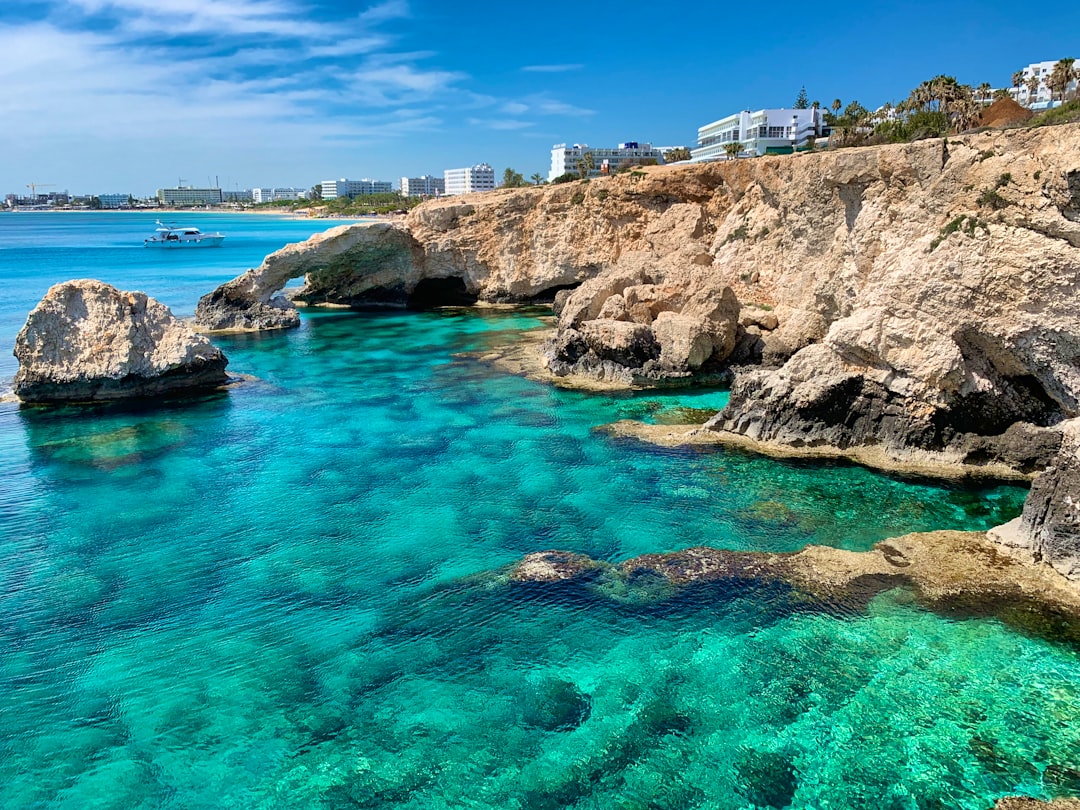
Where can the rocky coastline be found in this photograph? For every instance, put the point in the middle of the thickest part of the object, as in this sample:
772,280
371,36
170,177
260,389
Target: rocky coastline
910,307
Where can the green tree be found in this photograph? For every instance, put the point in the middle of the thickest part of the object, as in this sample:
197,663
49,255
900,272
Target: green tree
512,179
537,179
733,149
1018,82
677,154
586,164
802,101
1033,89
1060,77
836,106
316,191
565,177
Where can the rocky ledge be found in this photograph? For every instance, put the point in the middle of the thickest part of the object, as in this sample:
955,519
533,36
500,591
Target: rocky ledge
951,572
87,341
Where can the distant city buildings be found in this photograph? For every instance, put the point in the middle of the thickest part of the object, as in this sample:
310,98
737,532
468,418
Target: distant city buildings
763,132
480,177
188,197
1034,92
426,186
567,159
239,196
264,195
114,200
332,189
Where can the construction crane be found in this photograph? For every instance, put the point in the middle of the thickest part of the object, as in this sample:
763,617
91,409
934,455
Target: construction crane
35,186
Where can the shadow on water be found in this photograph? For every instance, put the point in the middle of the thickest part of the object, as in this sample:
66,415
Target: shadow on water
109,435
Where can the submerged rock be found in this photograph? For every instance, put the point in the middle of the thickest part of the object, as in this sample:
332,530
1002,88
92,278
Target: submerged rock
88,341
953,572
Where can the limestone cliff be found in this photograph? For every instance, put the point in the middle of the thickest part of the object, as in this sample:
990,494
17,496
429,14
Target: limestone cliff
88,341
917,298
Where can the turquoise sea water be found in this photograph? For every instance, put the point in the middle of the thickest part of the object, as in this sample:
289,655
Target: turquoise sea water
288,595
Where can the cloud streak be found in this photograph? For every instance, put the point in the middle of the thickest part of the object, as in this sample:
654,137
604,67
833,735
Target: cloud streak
552,68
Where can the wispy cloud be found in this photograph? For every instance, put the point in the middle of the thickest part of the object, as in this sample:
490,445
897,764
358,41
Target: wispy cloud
505,124
390,10
552,68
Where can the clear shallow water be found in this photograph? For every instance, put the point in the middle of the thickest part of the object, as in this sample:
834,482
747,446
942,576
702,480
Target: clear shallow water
283,597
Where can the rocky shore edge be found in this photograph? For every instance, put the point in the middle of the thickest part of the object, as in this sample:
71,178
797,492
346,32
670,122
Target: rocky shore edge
949,572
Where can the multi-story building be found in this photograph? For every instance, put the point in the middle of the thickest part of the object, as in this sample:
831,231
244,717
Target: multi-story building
1042,98
567,159
426,186
763,132
332,189
238,196
187,196
480,177
261,195
114,200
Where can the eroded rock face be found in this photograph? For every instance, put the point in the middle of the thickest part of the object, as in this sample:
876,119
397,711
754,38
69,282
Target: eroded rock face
88,341
1050,525
909,296
370,263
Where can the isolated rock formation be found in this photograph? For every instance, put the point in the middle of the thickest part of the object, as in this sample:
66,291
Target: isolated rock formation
88,341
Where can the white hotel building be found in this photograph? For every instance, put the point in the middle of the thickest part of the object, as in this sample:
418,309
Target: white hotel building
1043,98
262,195
332,189
764,132
566,159
480,177
426,186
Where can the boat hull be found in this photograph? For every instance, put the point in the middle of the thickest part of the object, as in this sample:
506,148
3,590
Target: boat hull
206,241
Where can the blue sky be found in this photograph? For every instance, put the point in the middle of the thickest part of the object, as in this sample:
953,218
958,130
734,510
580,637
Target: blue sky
130,95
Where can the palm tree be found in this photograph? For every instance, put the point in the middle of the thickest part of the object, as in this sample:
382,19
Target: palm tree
982,92
586,164
733,149
537,179
1018,82
1060,77
1033,89
836,105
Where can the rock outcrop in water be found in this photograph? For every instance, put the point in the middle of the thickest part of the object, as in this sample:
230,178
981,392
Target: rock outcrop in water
88,341
953,572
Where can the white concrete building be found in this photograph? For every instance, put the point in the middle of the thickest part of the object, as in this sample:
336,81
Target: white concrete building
426,186
480,177
261,195
187,196
567,159
1042,98
332,189
764,132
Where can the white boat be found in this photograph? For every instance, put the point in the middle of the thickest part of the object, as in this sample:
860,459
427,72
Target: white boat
171,236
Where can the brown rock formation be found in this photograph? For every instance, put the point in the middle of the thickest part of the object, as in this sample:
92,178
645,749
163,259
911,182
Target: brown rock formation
1024,803
88,341
953,572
